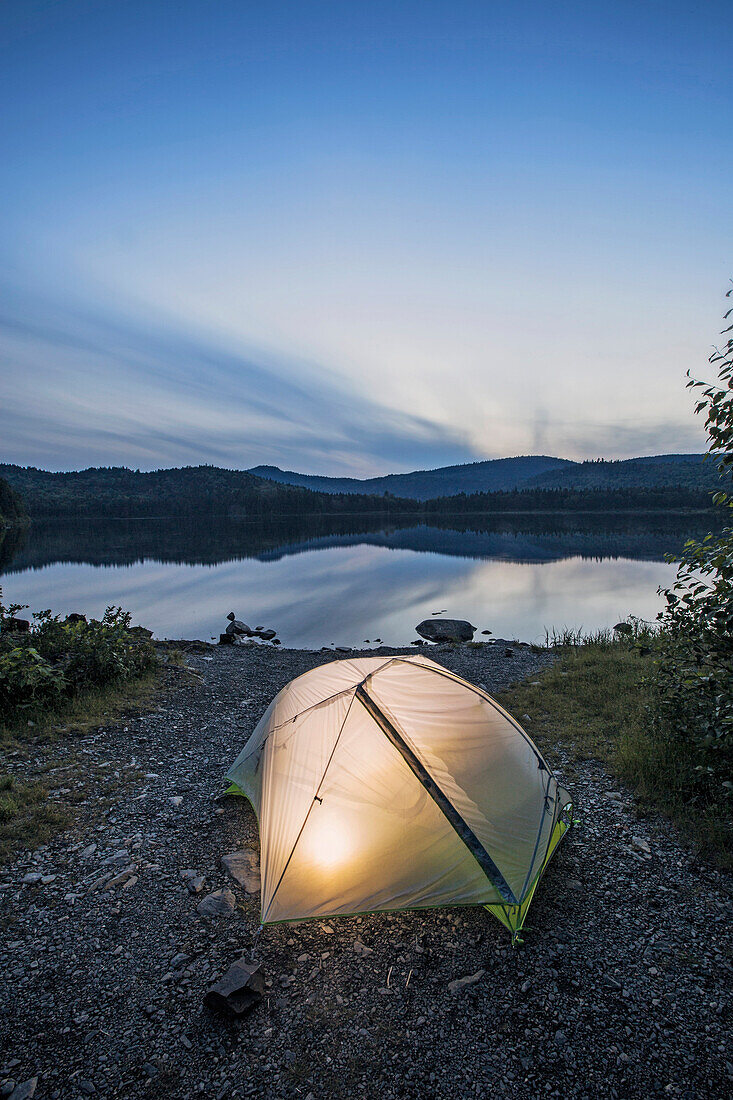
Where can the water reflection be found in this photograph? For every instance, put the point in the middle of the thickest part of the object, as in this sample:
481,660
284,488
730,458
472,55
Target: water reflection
318,581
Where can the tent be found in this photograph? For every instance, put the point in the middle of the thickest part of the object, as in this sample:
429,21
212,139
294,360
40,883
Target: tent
391,783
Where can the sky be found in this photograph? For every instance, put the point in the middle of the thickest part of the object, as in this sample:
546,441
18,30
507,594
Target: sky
357,238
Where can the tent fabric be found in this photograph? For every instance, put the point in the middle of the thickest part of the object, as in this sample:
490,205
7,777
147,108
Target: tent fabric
391,783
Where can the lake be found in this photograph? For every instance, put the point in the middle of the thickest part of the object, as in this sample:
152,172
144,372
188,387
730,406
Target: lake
345,580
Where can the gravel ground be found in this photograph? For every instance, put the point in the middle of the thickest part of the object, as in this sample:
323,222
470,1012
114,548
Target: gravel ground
621,990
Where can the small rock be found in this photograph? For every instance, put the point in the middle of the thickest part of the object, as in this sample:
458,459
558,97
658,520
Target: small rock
176,800
238,990
32,878
220,903
244,867
25,1090
459,984
361,949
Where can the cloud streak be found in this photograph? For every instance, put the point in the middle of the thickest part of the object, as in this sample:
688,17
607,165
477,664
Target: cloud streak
85,388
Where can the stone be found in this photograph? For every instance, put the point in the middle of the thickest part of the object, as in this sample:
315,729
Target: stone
236,626
486,631
266,635
194,881
238,990
117,880
227,639
641,845
25,1090
361,949
175,800
32,878
244,867
220,903
178,961
459,984
446,630
231,616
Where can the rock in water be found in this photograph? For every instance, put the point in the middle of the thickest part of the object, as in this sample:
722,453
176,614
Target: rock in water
244,867
446,630
238,990
236,626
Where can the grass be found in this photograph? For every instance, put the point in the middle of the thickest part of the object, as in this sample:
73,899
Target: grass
26,815
594,700
44,740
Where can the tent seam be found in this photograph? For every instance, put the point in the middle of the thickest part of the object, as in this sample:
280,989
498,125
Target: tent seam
364,697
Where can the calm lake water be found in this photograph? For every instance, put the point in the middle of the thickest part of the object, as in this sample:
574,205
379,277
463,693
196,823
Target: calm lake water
347,580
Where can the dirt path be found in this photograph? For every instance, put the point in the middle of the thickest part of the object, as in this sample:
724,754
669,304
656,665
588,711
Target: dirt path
622,989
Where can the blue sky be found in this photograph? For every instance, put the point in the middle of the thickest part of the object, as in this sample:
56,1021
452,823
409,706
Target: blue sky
357,238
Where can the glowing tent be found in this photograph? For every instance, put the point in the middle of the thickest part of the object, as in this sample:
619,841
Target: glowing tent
391,783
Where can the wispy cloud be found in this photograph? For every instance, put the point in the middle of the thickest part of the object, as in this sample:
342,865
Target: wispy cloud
81,388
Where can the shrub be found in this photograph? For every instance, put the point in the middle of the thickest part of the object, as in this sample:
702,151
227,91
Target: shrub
59,659
28,680
694,685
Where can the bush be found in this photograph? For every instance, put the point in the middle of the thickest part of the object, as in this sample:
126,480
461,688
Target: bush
57,659
694,684
27,680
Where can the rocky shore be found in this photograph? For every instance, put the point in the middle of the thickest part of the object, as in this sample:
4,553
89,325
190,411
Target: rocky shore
621,990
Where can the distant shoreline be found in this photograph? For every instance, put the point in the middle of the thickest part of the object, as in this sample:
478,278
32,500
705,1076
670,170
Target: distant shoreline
417,517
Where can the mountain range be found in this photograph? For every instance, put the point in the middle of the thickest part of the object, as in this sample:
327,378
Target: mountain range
524,472
527,483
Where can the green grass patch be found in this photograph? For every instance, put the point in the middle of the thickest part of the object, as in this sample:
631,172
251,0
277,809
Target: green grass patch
595,700
27,816
27,819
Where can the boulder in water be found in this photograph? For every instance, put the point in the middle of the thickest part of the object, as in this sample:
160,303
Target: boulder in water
446,630
236,626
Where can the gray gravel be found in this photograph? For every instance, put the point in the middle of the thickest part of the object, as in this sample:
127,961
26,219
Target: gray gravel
622,988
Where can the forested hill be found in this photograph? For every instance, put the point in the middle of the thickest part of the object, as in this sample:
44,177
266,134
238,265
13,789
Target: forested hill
676,471
12,510
190,491
493,475
526,472
200,491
